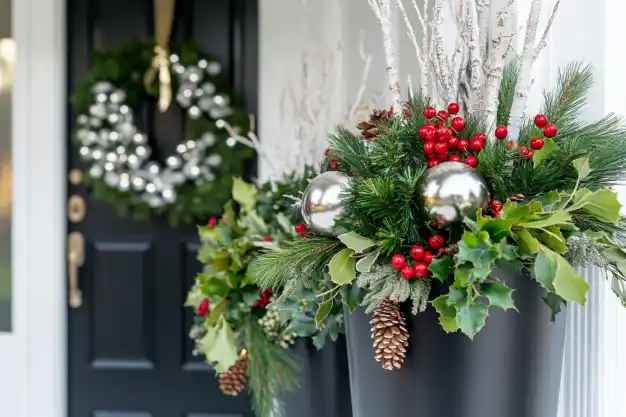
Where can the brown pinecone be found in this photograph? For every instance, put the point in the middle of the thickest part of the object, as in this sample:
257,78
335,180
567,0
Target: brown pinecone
390,335
369,128
233,381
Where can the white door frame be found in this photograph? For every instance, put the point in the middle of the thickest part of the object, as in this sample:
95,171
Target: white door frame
35,352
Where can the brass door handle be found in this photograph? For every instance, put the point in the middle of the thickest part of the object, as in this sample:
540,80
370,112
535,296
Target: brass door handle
75,259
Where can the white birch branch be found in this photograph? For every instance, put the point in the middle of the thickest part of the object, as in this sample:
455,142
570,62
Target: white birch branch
382,10
544,38
518,108
475,59
421,57
443,66
483,11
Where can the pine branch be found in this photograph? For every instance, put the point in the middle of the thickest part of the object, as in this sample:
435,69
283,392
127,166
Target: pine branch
562,106
301,259
272,371
506,94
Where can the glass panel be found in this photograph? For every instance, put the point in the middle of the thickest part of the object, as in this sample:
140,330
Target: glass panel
7,58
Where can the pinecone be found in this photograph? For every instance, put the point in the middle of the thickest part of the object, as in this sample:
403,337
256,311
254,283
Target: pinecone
390,335
369,128
233,381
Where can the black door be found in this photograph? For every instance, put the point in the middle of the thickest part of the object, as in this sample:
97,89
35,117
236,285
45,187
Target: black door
129,354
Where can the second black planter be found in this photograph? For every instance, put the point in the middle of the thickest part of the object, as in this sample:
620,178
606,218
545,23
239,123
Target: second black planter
512,368
324,382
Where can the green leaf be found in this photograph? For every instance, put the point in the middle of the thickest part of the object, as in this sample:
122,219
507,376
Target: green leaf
526,242
302,325
556,218
539,155
215,287
219,346
545,270
216,312
602,204
442,268
356,242
568,284
352,296
250,295
552,237
498,228
555,303
447,313
365,263
472,318
582,167
323,311
614,254
550,200
319,339
517,213
499,294
244,193
195,296
341,267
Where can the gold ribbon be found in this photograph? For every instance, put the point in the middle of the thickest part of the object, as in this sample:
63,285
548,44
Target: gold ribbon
163,20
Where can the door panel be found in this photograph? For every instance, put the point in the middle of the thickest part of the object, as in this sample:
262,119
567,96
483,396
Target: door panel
129,353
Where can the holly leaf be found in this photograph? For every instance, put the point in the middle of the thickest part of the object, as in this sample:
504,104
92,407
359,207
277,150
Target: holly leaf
550,200
323,311
552,237
555,303
219,346
602,204
447,313
215,287
539,155
498,228
195,296
556,218
499,294
356,242
516,212
545,270
527,242
302,326
568,284
319,339
582,167
365,263
249,295
352,296
442,268
341,267
472,318
216,312
462,275
244,193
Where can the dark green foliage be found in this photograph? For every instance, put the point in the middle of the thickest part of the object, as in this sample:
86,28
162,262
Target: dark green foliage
125,67
506,94
272,201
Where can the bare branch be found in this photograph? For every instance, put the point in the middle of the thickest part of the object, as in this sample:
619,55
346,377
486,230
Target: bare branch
411,33
475,58
443,66
544,38
483,10
382,10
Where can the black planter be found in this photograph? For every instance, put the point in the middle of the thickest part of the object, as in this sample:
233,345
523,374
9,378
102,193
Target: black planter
512,368
324,382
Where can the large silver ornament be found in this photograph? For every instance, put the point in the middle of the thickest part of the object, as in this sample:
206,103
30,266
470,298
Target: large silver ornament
323,201
452,190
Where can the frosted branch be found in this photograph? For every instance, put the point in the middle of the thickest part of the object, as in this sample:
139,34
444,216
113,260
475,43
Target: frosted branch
475,59
443,66
544,38
518,108
483,11
382,10
421,58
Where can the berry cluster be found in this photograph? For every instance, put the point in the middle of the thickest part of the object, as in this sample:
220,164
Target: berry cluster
203,308
441,141
301,228
264,299
495,207
421,256
536,143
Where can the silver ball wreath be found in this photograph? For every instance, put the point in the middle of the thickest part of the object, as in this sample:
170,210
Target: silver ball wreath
119,152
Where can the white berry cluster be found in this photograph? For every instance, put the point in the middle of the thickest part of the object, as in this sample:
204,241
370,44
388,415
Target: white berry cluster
272,326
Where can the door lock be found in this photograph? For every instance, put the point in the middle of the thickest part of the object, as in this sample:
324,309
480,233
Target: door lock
75,259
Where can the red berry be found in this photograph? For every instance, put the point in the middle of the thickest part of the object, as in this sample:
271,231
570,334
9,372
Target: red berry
443,115
525,152
550,131
407,272
429,146
334,164
458,124
453,108
420,269
443,134
432,163
433,156
471,161
495,205
440,251
453,143
441,147
326,151
441,239
443,157
541,120
480,136
455,158
536,143
476,145
398,261
212,223
438,124
501,132
430,113
422,132
300,228
463,144
267,238
203,308
512,144
497,213
434,242
430,126
428,257
417,253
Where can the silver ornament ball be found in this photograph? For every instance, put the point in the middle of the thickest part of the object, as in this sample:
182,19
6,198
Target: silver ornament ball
323,201
451,191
